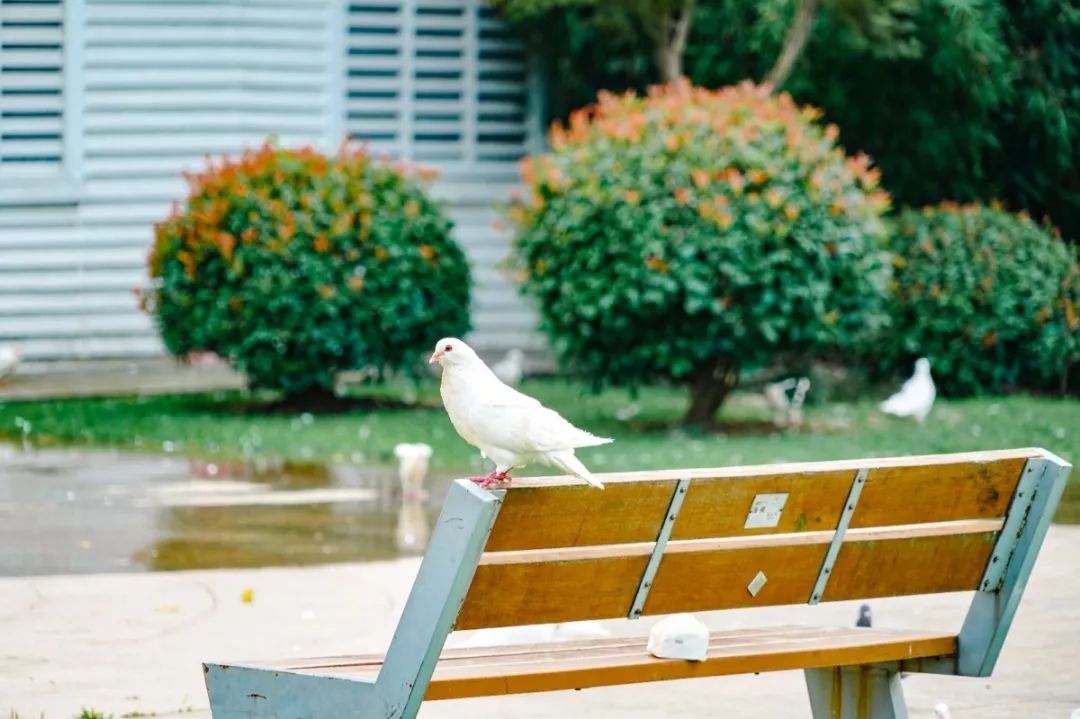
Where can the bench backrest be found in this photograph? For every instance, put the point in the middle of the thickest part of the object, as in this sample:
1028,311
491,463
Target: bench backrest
555,550
663,542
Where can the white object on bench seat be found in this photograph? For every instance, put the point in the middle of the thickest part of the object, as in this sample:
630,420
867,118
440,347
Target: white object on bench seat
679,636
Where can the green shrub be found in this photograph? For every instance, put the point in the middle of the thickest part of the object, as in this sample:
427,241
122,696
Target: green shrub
989,89
293,266
990,297
691,233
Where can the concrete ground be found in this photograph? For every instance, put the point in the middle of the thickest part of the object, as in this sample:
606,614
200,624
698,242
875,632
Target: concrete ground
97,378
128,643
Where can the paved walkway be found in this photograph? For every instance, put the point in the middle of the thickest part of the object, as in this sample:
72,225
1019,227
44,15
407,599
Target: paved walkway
130,643
115,377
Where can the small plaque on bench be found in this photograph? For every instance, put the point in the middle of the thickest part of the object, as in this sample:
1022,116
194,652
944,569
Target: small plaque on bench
756,584
765,510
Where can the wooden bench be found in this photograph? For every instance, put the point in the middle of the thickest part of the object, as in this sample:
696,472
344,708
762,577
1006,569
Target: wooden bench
553,550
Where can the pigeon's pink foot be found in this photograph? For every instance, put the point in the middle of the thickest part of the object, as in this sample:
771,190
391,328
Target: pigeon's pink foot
493,480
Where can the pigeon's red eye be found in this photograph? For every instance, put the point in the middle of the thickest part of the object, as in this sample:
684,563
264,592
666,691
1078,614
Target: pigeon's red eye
448,348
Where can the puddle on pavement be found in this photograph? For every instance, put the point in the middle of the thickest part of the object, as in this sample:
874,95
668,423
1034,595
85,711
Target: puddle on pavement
68,511
74,511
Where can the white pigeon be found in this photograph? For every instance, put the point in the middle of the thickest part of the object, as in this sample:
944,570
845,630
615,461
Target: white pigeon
509,428
9,360
511,368
941,711
412,467
916,397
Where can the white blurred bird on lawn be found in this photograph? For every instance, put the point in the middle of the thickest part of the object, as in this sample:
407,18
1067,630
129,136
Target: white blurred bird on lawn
509,428
798,399
511,368
776,394
916,397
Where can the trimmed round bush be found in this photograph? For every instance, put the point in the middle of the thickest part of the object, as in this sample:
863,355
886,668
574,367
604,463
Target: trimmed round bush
293,266
691,233
991,298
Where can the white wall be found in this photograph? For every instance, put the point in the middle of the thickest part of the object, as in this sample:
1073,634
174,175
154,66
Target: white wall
150,87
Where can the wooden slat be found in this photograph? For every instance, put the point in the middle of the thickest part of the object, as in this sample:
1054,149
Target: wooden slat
544,512
572,516
935,493
508,595
708,581
765,470
497,671
718,507
899,567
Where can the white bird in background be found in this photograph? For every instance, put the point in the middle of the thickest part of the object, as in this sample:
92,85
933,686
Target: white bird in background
9,360
941,711
777,397
787,409
798,398
509,428
511,368
412,467
916,397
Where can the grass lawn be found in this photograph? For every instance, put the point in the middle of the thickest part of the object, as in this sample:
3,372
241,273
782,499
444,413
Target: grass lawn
232,426
229,425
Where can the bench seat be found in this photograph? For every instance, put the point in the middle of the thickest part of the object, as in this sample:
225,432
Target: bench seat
517,669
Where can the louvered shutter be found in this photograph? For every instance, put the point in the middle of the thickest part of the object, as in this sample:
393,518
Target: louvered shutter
31,89
439,82
444,83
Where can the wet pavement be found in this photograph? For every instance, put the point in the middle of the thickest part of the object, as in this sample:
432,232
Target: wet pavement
78,511
65,511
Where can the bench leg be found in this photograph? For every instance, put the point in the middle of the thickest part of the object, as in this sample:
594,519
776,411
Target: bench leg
856,692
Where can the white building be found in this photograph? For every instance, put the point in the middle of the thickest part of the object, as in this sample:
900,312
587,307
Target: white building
104,102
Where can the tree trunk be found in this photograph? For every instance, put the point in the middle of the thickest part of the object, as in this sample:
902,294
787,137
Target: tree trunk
712,383
794,43
671,41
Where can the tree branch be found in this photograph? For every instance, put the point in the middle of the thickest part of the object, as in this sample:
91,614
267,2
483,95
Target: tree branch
794,42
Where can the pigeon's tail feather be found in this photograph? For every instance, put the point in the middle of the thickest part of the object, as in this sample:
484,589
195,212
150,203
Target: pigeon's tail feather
591,440
567,462
894,405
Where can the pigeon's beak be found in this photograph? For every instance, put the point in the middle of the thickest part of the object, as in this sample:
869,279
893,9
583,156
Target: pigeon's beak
435,357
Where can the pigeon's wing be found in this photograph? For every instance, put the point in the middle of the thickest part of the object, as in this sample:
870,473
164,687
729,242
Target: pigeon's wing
499,394
527,428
